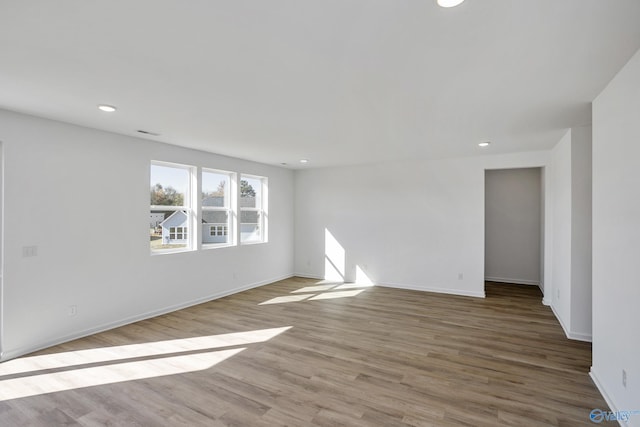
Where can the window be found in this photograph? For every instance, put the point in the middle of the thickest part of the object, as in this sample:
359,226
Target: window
174,221
170,207
217,218
253,209
218,230
178,233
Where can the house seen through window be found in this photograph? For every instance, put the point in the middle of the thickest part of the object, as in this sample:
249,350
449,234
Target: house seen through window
170,207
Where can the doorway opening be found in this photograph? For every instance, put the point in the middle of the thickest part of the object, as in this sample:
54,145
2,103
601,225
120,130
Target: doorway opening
514,226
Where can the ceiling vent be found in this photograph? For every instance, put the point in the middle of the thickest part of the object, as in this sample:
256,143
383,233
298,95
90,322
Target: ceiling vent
146,132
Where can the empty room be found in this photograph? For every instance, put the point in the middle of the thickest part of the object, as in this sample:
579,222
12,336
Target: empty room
320,213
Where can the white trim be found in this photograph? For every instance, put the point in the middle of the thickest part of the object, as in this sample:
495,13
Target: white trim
207,246
577,336
449,291
132,319
514,281
606,396
307,276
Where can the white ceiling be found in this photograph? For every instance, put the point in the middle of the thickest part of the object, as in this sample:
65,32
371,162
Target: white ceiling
334,81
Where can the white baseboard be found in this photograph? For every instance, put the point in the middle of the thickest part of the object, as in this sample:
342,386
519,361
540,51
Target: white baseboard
13,353
577,336
606,396
449,291
514,281
308,276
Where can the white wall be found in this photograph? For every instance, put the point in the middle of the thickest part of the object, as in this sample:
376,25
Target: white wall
569,287
581,171
76,178
415,224
513,225
560,284
616,239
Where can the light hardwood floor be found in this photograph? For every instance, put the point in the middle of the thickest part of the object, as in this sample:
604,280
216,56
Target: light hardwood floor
301,353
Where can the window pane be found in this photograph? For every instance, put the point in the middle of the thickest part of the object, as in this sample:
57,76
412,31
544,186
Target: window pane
215,189
250,189
168,186
216,200
251,209
168,226
250,226
167,230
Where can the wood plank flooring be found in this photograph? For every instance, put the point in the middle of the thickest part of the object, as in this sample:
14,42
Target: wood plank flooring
304,353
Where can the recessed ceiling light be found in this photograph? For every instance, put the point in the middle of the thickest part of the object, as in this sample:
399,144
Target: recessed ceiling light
304,161
484,144
449,3
107,108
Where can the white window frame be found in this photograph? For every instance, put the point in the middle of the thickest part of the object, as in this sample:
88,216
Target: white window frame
187,207
261,207
230,201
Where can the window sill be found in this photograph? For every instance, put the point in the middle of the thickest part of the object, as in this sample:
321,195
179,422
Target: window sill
170,251
253,243
217,246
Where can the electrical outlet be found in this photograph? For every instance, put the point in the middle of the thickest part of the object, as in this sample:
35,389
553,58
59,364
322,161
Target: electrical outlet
624,378
460,276
72,310
558,293
29,251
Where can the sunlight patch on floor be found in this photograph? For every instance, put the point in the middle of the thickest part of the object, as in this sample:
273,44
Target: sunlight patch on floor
156,348
286,298
30,376
16,388
338,294
315,288
333,291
